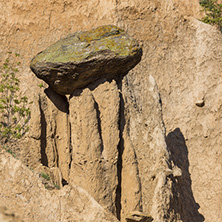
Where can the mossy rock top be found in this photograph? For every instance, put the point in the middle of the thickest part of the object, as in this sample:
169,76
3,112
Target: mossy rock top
83,57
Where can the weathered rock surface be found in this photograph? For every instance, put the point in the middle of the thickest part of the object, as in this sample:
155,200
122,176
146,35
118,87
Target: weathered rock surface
145,182
83,57
94,117
50,132
137,216
7,216
22,192
184,56
110,147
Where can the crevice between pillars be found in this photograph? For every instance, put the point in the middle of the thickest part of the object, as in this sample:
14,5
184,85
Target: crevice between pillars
120,150
44,159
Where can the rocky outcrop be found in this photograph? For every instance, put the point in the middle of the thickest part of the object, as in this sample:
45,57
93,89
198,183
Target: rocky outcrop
109,149
96,148
146,168
114,152
83,57
23,193
182,54
50,132
94,117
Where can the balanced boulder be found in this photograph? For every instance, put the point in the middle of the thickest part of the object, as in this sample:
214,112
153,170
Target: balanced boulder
83,57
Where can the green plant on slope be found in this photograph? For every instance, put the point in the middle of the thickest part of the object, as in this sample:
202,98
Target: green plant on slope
45,176
56,186
9,151
14,113
50,185
213,12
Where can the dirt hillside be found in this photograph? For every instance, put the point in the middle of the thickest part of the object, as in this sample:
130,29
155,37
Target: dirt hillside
141,143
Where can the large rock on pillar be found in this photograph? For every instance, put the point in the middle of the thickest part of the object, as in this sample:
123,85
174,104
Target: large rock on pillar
84,57
95,59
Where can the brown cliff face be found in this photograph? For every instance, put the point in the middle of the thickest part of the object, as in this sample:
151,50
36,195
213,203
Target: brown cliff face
125,117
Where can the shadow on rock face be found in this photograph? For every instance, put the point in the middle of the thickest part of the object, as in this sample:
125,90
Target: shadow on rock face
58,100
183,202
92,86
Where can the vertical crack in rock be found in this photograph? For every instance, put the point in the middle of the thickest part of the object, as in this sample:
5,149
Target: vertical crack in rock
99,123
120,150
69,130
70,145
44,159
56,154
70,140
55,147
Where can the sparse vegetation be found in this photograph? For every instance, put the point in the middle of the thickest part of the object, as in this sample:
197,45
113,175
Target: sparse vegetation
213,12
14,111
56,186
9,151
45,176
40,85
49,185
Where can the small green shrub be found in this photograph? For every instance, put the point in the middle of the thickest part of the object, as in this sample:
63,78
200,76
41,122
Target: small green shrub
56,186
213,12
14,112
45,176
47,187
40,85
10,151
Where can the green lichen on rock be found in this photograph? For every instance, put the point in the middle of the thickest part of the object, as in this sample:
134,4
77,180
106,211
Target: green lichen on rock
84,45
92,50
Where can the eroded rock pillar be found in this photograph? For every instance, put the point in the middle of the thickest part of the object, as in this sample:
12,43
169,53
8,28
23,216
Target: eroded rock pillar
94,117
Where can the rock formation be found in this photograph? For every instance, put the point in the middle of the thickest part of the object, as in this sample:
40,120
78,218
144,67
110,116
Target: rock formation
138,216
84,57
24,193
180,181
104,156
